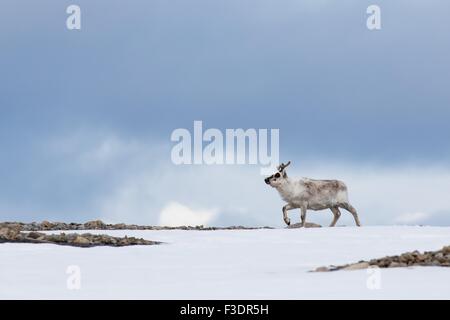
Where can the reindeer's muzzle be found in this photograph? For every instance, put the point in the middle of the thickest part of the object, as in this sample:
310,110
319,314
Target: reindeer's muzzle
267,180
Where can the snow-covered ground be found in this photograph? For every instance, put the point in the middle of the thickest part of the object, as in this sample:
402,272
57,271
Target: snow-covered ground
236,264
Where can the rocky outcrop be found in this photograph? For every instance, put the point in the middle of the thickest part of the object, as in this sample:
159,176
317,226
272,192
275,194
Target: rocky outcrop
14,235
95,225
9,232
307,225
100,225
439,258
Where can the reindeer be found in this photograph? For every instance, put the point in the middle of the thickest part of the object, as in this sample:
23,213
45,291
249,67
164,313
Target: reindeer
311,194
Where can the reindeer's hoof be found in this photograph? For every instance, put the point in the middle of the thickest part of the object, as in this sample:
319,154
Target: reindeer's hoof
288,222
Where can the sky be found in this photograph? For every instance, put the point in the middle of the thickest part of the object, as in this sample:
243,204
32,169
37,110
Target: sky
86,115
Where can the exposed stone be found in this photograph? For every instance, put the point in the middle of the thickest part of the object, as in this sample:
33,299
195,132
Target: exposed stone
36,235
357,266
82,241
394,264
439,258
421,257
95,225
79,240
15,226
7,233
46,225
307,225
406,257
322,269
100,225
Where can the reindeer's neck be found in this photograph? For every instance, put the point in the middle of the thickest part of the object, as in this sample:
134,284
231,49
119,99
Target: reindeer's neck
289,189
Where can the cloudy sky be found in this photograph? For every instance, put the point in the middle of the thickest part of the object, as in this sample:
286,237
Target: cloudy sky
86,115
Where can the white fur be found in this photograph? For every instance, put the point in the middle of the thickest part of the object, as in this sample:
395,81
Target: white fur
311,194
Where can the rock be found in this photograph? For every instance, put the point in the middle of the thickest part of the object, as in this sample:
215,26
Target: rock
322,269
421,257
71,237
382,263
99,225
440,257
124,241
15,226
46,225
82,241
95,225
53,237
7,233
4,233
62,237
415,253
357,266
14,234
35,235
394,264
60,226
407,258
307,225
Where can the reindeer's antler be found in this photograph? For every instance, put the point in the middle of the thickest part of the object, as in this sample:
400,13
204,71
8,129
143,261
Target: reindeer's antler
283,166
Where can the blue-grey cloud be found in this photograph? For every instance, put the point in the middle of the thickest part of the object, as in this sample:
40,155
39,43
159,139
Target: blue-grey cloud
338,92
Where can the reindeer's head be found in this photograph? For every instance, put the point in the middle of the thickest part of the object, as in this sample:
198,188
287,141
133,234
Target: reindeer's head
278,177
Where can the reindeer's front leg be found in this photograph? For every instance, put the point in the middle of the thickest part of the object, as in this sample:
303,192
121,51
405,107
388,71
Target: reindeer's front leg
285,216
303,216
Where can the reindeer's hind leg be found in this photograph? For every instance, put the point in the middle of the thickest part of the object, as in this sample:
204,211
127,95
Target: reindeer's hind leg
349,208
336,214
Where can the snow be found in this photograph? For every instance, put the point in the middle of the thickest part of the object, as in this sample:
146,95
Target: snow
234,264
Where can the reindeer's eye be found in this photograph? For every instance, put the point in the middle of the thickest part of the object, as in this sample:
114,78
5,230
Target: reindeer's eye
277,175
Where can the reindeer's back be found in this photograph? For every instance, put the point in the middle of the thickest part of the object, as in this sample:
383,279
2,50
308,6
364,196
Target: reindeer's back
324,193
